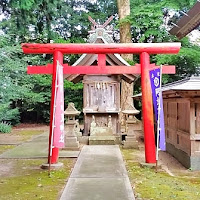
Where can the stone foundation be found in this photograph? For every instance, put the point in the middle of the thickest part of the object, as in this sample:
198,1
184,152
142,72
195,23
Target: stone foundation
102,140
130,142
190,162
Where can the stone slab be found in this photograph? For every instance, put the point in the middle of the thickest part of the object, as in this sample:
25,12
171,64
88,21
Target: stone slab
102,140
37,148
54,166
99,174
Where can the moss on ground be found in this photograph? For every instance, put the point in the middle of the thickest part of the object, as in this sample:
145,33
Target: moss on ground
31,182
27,134
155,186
4,148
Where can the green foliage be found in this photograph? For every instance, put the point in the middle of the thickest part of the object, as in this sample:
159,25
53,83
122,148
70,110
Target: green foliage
146,21
19,92
5,128
149,23
187,62
42,21
74,93
8,114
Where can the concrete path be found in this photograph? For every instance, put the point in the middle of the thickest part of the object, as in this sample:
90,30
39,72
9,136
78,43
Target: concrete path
99,174
36,148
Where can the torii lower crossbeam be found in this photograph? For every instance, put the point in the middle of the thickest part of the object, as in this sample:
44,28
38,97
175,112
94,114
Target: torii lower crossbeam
144,49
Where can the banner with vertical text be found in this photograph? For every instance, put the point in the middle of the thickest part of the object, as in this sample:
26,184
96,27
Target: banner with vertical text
58,133
157,96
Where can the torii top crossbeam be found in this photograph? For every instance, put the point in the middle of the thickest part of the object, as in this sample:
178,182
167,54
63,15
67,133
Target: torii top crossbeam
126,48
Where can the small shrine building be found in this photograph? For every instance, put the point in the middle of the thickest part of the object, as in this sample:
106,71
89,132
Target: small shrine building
101,93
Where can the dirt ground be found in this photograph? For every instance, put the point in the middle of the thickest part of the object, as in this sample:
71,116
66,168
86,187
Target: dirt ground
166,162
19,134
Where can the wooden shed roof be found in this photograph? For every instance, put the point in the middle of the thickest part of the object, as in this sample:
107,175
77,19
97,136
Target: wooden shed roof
188,22
192,83
182,88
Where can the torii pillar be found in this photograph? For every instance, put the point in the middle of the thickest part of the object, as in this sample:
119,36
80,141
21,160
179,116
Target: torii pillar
147,109
143,49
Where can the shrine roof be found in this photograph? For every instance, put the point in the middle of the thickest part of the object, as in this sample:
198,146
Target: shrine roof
100,35
188,22
71,110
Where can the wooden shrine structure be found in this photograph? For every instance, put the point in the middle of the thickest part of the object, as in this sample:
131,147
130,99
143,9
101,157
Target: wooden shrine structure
102,50
101,93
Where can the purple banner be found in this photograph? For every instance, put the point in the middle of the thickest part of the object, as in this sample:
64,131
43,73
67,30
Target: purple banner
155,86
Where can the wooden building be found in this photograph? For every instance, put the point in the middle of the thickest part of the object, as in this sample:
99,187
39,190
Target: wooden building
101,93
182,121
181,102
189,22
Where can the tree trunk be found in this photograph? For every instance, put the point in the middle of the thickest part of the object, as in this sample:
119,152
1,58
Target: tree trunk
125,37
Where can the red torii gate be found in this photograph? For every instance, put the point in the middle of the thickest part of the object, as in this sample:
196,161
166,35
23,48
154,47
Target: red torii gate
144,49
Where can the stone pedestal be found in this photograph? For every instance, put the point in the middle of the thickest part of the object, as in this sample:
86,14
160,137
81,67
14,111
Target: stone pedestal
101,135
130,141
131,121
71,142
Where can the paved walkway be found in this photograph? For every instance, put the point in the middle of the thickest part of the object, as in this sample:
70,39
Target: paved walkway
99,174
36,148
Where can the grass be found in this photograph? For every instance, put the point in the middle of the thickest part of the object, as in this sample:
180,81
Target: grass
27,134
31,182
155,186
27,180
4,148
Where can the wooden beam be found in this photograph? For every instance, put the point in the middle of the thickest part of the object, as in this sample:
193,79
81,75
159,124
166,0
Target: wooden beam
123,48
101,69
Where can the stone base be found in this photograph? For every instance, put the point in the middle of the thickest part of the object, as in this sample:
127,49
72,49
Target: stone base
83,140
117,139
141,147
102,140
71,143
71,148
130,142
53,166
148,165
190,162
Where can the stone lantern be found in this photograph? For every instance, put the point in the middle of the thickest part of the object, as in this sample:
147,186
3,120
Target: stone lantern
72,126
131,121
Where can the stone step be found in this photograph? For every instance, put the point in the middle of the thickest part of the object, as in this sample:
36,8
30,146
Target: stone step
141,147
130,145
102,140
